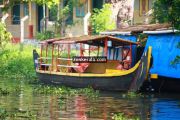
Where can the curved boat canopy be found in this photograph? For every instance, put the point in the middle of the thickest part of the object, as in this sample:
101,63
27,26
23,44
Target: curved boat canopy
60,51
98,40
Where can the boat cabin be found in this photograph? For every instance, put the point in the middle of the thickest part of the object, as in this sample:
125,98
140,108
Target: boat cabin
85,54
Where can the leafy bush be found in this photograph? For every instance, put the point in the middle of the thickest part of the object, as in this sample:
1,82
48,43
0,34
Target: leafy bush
65,91
121,116
101,19
3,114
167,11
5,36
45,35
16,63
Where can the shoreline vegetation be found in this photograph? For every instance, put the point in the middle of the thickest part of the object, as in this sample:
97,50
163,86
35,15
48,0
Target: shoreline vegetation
17,62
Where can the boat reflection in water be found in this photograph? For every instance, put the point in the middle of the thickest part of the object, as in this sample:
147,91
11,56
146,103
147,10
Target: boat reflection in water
149,107
83,107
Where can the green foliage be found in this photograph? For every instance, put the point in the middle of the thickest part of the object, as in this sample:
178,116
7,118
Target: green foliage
49,3
65,91
4,91
5,36
142,38
121,116
133,94
177,59
17,64
17,114
167,11
101,19
63,15
45,35
3,114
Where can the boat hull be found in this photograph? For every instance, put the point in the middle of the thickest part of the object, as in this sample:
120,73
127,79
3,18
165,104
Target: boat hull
120,83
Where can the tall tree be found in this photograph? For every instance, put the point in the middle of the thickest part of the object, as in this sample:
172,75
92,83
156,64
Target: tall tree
49,3
167,11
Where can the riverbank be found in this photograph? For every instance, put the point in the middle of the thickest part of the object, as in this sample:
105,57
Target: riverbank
16,62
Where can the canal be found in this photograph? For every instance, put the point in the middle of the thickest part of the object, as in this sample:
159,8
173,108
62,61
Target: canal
22,103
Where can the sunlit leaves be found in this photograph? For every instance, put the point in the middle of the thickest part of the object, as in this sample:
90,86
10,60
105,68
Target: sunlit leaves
101,19
5,36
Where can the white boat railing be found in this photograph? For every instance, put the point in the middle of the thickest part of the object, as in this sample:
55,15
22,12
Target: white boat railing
67,65
47,58
43,62
68,59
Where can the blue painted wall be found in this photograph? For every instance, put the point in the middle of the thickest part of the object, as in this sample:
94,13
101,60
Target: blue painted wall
164,51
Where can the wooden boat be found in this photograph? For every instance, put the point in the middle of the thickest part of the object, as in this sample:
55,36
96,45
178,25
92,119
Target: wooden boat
55,63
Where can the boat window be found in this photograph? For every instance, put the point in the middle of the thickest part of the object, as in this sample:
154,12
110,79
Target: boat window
114,53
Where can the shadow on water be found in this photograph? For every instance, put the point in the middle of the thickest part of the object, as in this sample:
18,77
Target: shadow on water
23,103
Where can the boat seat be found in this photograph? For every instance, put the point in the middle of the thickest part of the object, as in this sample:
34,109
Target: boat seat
81,67
96,68
112,64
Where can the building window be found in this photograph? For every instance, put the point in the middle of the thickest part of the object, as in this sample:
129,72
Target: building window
1,2
16,14
80,11
26,9
144,7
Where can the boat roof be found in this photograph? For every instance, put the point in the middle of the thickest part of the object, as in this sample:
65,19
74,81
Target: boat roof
96,40
148,29
49,41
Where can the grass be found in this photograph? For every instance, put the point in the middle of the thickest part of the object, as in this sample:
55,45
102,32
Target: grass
17,62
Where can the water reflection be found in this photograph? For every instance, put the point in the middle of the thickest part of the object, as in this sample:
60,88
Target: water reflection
166,109
81,107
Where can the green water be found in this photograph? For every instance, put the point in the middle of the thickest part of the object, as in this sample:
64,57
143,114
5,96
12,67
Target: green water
22,103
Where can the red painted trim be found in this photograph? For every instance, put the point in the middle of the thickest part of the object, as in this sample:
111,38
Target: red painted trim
52,56
15,40
57,61
98,51
41,55
46,55
105,47
31,31
69,51
131,53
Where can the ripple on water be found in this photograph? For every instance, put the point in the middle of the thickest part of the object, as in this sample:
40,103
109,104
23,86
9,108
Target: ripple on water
81,107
